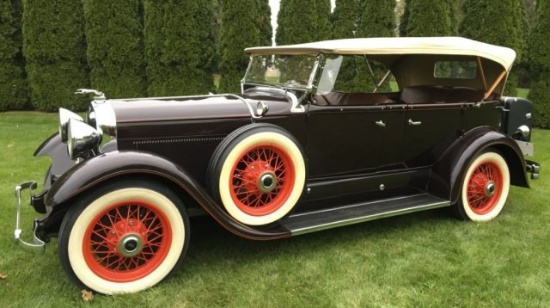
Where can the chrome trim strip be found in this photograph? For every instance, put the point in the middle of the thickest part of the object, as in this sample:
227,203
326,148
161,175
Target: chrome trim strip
356,220
37,245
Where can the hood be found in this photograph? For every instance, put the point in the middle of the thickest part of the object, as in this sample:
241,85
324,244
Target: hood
178,108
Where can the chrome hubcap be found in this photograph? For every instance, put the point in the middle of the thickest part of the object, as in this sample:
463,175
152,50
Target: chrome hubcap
267,182
490,189
130,245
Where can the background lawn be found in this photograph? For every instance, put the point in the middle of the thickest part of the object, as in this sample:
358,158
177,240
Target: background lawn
425,259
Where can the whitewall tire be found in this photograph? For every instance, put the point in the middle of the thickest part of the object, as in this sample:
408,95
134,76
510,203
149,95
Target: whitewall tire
485,188
124,238
258,174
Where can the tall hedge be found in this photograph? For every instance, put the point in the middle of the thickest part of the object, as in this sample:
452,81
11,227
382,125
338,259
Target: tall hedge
428,18
539,56
377,19
303,21
54,46
178,46
507,27
264,23
13,85
114,33
244,24
345,19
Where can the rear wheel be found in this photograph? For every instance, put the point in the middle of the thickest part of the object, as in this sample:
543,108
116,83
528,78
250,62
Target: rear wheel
485,188
124,237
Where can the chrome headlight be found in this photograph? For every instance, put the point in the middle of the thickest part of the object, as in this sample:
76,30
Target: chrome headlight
82,140
64,117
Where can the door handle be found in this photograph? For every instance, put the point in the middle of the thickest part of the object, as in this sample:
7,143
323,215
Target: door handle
414,123
380,123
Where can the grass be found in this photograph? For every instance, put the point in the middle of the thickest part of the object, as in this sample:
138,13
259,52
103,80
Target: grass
425,259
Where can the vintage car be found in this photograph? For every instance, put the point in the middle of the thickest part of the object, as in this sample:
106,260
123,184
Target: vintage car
323,135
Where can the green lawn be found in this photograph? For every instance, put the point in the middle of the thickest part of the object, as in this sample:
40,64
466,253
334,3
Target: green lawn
426,259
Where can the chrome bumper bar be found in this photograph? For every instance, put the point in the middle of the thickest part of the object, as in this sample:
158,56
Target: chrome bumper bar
37,244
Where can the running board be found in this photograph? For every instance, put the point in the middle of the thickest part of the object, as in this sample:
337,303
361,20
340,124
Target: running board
307,222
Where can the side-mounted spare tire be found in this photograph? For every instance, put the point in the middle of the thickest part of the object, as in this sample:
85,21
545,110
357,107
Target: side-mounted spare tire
258,174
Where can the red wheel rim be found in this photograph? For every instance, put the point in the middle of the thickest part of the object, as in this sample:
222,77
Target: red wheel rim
262,180
127,241
485,187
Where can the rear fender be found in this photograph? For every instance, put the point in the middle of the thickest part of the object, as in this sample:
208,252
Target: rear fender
111,166
447,174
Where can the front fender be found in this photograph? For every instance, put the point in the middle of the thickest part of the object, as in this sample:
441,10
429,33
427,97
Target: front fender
448,172
109,166
57,151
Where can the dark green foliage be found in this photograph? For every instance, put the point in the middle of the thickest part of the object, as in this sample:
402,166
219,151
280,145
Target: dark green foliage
540,96
344,19
539,43
404,22
264,23
539,56
428,18
13,87
54,46
114,33
244,25
508,28
303,21
179,46
377,19
323,19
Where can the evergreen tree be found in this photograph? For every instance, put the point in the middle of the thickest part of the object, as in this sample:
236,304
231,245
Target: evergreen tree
508,28
114,33
13,86
303,21
428,18
178,46
264,22
404,21
377,19
539,59
344,19
323,19
54,46
244,24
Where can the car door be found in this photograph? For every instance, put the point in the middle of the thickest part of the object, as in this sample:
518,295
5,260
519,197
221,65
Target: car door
347,140
430,130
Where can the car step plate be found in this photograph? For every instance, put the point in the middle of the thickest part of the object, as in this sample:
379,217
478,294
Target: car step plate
307,222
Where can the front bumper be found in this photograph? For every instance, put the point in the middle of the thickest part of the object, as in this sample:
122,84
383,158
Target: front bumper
37,244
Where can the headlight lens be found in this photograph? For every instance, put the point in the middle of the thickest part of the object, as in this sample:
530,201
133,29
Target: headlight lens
83,140
64,117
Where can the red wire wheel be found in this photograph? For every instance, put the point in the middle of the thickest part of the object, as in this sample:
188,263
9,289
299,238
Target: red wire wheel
258,174
485,188
124,237
262,180
127,241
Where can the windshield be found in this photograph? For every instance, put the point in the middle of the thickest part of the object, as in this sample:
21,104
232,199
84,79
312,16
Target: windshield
281,70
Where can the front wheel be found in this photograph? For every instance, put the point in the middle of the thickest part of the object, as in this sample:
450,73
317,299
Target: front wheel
124,237
485,188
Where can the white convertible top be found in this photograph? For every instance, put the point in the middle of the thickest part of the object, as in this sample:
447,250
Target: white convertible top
397,46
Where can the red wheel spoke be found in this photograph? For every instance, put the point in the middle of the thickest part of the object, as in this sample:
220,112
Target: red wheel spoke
127,240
